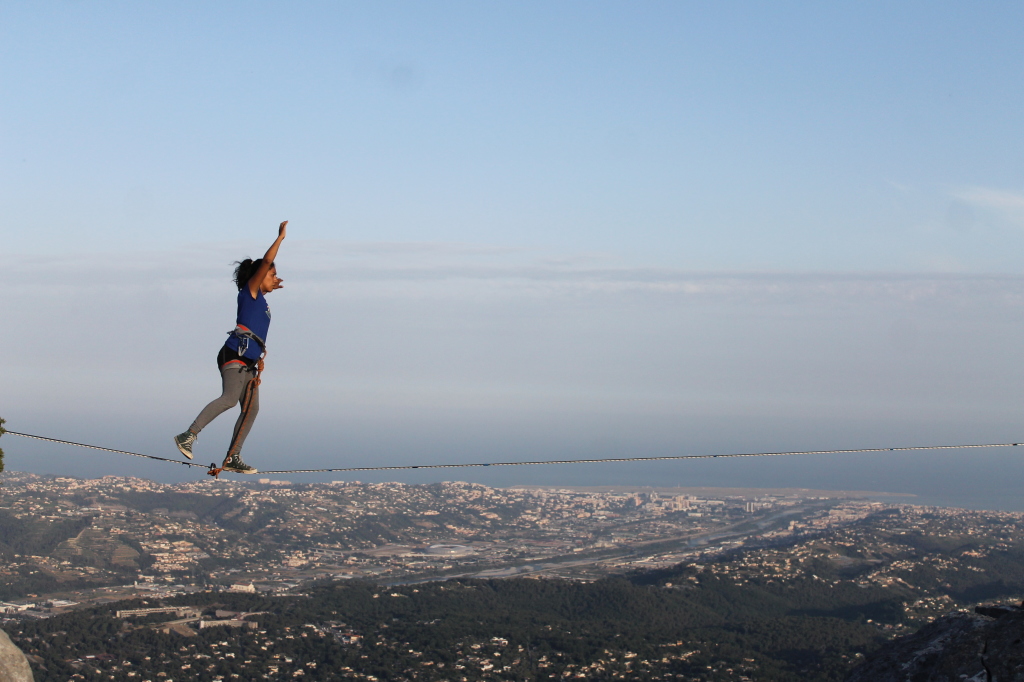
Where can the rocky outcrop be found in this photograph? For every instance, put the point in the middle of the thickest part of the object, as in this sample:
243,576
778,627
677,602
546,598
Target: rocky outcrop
13,664
985,646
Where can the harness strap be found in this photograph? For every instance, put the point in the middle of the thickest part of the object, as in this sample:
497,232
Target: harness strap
244,336
243,332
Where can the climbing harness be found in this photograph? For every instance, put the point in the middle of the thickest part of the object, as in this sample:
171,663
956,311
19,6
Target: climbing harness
244,336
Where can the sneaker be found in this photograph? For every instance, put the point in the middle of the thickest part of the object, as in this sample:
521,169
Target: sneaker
184,442
235,463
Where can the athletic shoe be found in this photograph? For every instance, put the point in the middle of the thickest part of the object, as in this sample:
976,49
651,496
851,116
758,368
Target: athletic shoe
184,442
235,463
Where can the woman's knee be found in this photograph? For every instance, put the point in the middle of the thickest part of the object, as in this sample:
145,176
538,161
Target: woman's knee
225,402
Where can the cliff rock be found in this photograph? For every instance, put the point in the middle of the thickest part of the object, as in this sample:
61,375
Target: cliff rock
13,664
985,646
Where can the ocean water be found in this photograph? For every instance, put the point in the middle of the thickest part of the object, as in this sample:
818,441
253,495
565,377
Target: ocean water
989,478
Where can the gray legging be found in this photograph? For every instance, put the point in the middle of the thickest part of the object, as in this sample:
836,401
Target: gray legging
239,387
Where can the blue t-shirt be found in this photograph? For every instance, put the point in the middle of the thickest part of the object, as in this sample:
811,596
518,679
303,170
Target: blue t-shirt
254,315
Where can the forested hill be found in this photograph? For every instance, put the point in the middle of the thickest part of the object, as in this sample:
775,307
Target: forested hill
809,610
510,629
806,611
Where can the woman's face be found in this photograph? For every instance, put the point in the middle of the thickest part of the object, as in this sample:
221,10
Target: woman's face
271,281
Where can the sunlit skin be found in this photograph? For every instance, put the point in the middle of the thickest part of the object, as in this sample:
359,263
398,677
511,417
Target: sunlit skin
265,278
271,281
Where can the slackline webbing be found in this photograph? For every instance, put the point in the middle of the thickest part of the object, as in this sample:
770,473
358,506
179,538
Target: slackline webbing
97,447
537,462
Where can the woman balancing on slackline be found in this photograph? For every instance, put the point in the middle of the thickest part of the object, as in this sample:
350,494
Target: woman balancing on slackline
240,359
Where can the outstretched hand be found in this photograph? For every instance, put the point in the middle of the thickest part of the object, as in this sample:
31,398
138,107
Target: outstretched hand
259,280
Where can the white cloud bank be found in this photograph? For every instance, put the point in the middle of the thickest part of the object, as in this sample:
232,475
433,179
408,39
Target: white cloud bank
403,353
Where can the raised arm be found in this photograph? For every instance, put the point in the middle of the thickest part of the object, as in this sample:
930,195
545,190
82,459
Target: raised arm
268,261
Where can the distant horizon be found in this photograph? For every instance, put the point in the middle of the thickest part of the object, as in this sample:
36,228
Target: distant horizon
254,480
523,232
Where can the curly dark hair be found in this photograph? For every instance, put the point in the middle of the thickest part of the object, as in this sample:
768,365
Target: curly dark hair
245,269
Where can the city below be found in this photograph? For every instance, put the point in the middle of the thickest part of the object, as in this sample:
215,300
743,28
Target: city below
272,536
441,581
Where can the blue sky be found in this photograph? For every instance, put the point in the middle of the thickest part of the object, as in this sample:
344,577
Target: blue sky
553,228
805,136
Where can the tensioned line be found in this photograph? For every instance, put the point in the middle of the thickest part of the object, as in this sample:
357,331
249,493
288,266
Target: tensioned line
536,462
97,447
